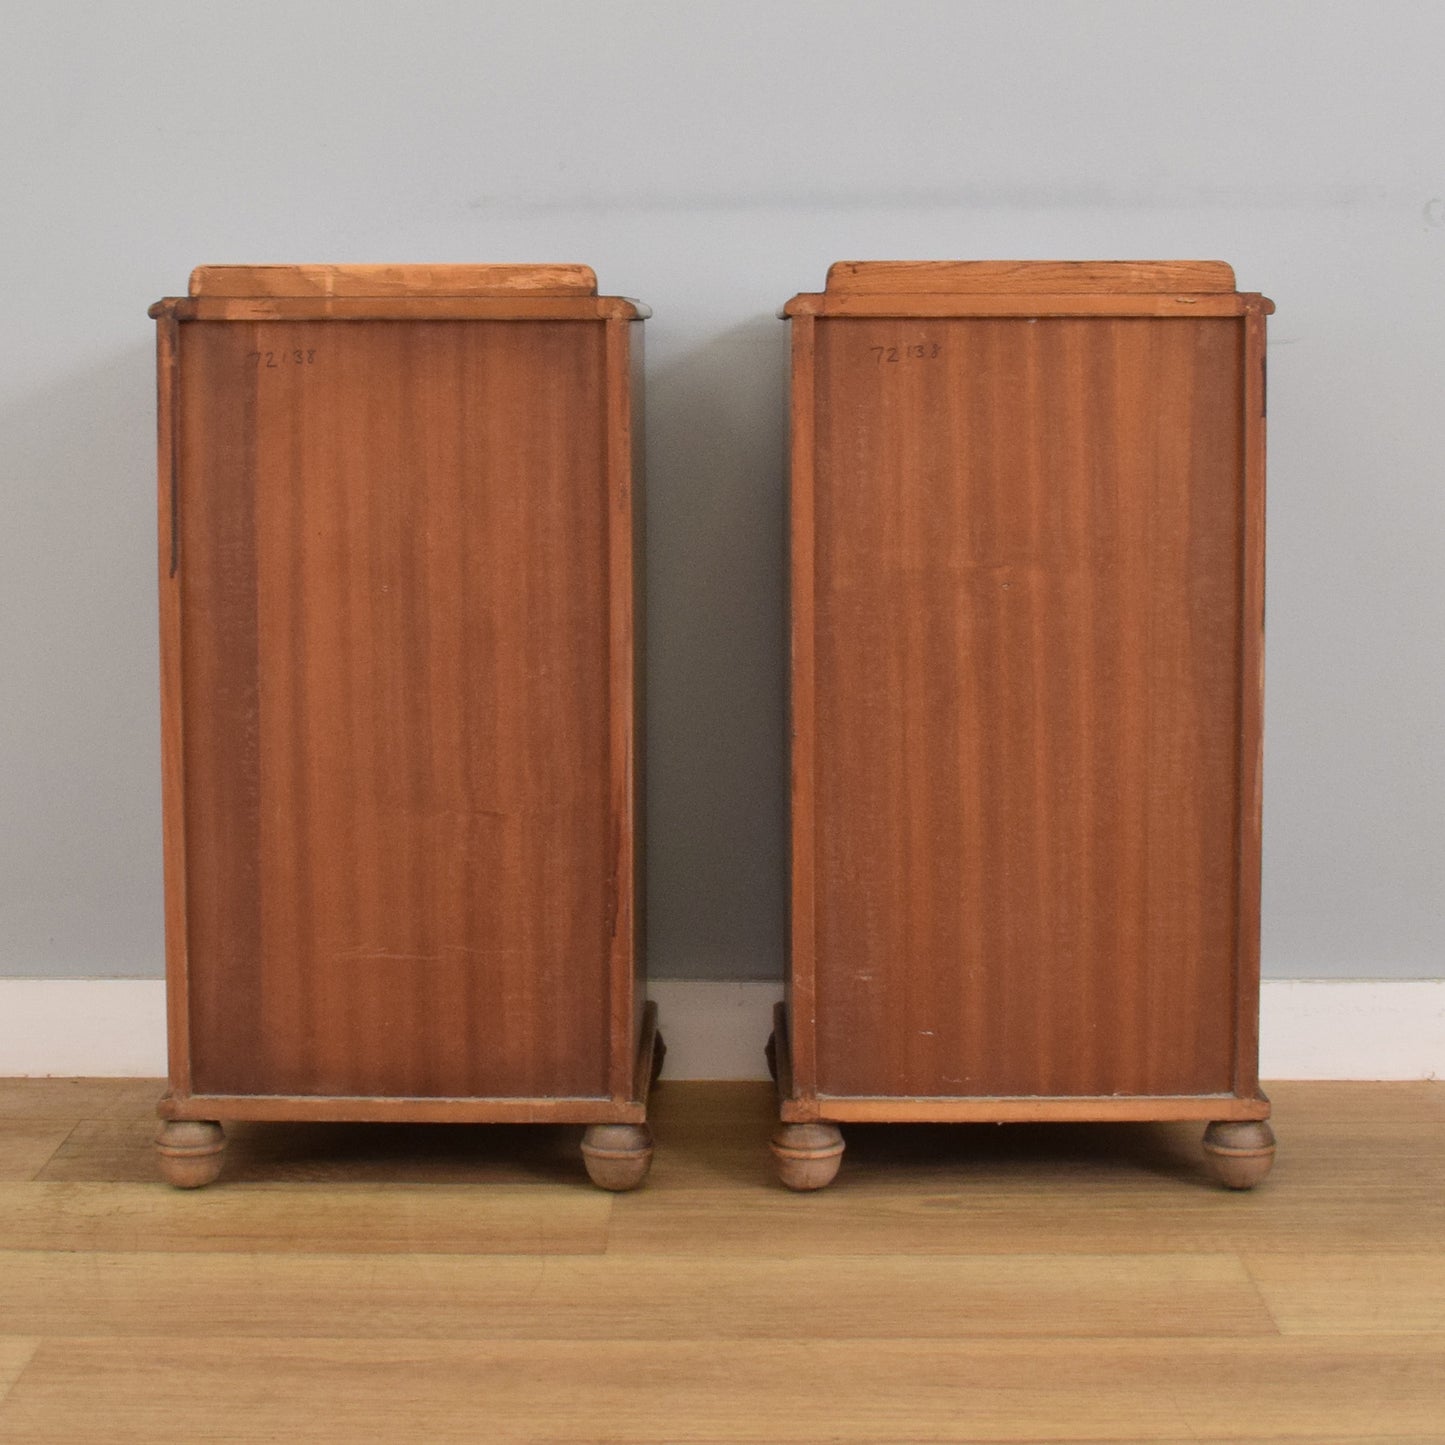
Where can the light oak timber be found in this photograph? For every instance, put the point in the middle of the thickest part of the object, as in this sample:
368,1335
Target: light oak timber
190,1152
398,522
1046,1282
304,1219
1249,844
339,1109
1364,1171
660,1297
26,1146
1238,1152
1127,1212
799,997
617,1156
331,280
15,1354
876,1390
400,308
807,1155
71,1100
896,278
923,304
1352,1294
338,1153
1026,535
735,1118
1003,1110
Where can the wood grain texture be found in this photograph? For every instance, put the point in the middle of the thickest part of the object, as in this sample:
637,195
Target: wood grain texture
1352,1294
399,703
794,1025
324,280
301,1219
1001,277
1022,303
441,1296
1251,708
27,1146
173,780
241,1390
1362,1171
405,1109
1040,1283
628,423
68,1101
1033,1108
15,1354
507,307
395,662
623,799
1027,600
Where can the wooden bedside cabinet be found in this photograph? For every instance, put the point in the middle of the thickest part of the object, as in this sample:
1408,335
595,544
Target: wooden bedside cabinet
1027,553
400,577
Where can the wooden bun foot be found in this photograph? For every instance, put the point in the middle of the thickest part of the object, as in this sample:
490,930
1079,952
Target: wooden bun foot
190,1152
617,1155
1239,1153
807,1155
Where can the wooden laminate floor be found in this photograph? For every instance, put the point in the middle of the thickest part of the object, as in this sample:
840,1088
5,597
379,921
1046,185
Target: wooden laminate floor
1027,1283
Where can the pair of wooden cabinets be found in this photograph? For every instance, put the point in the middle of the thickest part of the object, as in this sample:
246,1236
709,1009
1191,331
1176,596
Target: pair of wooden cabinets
401,607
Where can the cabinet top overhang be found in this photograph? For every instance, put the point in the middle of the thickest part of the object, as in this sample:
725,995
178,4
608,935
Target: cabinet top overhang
461,292
1028,288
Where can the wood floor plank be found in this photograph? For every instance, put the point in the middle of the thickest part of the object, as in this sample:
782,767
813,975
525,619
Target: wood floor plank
122,1151
76,1099
15,1353
658,1298
26,1145
159,1390
1352,1294
338,1219
1361,1168
1027,1219
1365,1158
1080,1284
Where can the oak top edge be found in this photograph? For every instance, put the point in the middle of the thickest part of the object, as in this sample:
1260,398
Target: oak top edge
516,306
471,279
1051,277
905,304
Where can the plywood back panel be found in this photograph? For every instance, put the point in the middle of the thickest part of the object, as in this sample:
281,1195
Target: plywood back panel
394,671
1027,672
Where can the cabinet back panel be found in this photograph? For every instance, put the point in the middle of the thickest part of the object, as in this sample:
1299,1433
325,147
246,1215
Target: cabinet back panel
394,661
1027,772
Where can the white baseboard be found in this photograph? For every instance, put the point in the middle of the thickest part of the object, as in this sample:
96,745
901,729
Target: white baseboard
1309,1028
101,1028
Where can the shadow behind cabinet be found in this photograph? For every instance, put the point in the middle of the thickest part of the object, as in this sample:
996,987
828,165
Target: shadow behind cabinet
1027,569
400,546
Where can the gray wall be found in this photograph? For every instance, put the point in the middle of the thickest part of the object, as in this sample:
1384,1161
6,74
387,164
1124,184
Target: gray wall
713,158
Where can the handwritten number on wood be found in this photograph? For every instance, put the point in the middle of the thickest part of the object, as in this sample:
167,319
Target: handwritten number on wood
271,360
917,351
